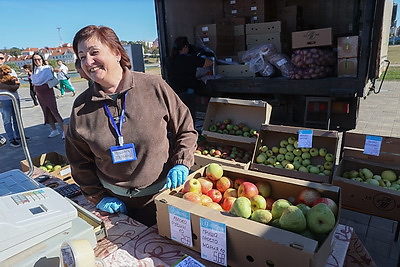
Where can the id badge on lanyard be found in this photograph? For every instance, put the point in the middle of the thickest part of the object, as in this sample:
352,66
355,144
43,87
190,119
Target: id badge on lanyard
122,152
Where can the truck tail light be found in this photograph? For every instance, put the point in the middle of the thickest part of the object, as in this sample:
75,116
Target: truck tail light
315,106
340,107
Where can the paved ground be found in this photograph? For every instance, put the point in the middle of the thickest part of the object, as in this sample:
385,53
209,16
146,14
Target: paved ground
379,115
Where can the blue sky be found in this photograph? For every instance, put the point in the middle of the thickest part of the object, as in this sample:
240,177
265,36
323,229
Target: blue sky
34,23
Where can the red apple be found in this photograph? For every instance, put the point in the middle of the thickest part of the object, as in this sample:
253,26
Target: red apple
215,206
264,188
192,185
223,184
247,189
238,182
214,171
329,202
206,184
193,197
308,196
227,203
270,201
230,192
215,195
205,199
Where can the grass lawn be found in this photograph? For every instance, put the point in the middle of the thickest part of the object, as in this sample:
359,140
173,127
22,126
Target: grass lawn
394,54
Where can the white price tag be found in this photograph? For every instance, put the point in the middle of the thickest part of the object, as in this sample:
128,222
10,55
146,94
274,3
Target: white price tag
372,145
305,138
213,241
181,229
204,29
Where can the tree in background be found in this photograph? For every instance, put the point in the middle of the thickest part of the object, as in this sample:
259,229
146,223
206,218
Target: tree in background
13,66
14,51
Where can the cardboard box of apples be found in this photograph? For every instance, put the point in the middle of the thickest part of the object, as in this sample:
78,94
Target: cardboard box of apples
277,152
222,152
228,119
370,184
268,218
52,162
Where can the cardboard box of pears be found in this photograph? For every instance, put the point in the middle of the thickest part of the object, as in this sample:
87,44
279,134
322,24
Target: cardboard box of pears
294,219
370,182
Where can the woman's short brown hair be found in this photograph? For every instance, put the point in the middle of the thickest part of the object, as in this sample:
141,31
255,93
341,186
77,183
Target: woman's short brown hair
105,35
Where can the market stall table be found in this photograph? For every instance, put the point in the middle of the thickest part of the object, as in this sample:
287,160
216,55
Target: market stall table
130,243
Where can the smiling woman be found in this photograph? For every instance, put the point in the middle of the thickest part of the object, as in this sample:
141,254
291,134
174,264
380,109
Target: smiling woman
117,141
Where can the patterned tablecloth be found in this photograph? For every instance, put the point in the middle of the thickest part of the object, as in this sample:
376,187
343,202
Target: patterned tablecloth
130,243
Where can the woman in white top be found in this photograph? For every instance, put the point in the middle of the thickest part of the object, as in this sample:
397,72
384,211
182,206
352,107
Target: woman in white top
41,75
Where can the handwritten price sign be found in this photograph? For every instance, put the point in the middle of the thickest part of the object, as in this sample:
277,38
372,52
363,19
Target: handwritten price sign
213,241
181,229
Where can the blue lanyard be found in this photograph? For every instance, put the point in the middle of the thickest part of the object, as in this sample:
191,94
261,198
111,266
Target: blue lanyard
121,120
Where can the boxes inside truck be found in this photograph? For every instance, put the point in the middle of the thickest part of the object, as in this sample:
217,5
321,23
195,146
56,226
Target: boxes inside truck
277,152
248,242
365,188
239,126
312,38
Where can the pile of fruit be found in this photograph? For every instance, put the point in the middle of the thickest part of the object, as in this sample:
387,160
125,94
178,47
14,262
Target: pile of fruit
387,178
311,215
232,153
48,166
228,127
289,156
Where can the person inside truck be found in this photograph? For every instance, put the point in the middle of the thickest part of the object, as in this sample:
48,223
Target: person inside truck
181,72
117,141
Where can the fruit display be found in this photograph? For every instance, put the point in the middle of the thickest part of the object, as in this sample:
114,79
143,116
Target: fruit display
227,152
387,178
287,155
310,214
229,127
48,166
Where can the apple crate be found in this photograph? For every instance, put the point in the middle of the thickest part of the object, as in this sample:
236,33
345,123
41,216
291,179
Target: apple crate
253,113
245,237
365,197
225,147
56,159
272,135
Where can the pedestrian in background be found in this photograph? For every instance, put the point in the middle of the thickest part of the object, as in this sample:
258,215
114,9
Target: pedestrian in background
7,109
62,76
28,69
47,99
117,140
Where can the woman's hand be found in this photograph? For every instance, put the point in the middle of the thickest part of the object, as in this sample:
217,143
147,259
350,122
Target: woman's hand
177,176
112,205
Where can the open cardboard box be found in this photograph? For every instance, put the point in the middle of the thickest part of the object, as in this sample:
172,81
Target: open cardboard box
251,112
201,160
271,135
363,197
250,243
56,159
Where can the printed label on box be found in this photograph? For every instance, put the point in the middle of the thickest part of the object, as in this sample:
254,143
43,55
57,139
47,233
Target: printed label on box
66,171
305,138
204,29
372,145
213,241
181,228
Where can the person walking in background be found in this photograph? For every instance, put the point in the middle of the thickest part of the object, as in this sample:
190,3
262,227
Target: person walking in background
181,72
117,140
62,76
28,69
47,99
7,109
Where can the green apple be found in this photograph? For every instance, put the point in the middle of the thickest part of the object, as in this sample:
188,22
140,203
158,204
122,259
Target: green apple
263,148
306,155
357,179
320,219
241,207
293,219
377,177
283,143
258,202
303,169
354,174
296,165
306,162
269,153
328,165
389,175
275,149
262,216
264,188
278,207
320,167
384,183
298,159
283,150
278,165
296,144
303,207
280,157
289,166
373,181
284,163
327,172
290,147
305,149
291,140
261,158
366,173
329,157
289,156
214,171
314,152
314,169
271,160
322,152
297,152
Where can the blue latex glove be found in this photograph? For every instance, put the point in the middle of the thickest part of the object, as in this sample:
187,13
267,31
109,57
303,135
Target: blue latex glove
112,205
177,176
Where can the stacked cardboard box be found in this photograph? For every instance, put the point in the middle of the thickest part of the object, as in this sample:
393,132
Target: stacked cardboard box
218,37
312,38
261,33
249,243
363,196
347,48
